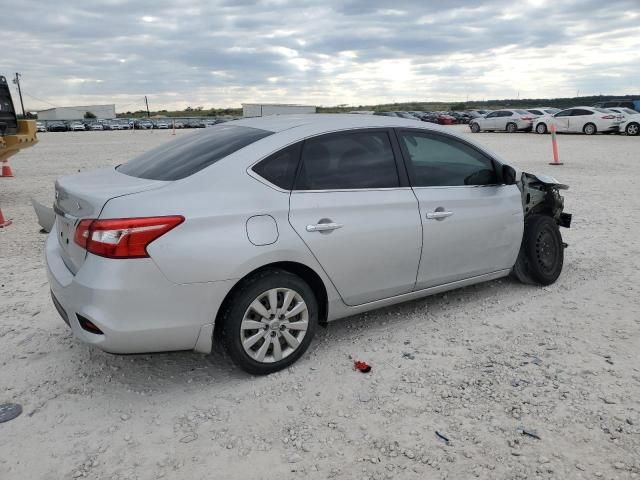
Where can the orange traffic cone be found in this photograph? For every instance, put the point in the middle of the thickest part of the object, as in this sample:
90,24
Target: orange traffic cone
6,169
3,222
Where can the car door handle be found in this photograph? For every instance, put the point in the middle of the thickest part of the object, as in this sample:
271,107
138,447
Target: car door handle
324,227
438,215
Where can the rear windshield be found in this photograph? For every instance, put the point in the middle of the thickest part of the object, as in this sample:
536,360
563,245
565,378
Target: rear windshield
191,153
602,110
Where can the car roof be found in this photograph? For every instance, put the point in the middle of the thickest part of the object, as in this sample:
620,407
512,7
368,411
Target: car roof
326,122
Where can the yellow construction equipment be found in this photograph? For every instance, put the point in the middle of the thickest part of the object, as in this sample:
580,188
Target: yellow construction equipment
15,135
24,137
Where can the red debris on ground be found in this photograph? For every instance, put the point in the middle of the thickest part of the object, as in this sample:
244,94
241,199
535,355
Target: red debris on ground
364,367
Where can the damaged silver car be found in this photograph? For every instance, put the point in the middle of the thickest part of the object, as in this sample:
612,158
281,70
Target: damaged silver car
259,230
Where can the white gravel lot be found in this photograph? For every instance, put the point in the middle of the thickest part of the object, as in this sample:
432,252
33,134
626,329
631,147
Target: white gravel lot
476,364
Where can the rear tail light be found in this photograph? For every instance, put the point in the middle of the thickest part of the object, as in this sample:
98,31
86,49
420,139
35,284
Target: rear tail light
609,117
528,118
123,237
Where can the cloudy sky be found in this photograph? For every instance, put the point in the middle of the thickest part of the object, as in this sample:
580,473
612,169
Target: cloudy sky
327,52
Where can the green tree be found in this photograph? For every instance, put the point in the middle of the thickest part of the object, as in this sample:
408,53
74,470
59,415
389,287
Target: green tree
89,115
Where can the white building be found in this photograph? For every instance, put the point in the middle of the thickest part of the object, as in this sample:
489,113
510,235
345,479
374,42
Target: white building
264,109
78,113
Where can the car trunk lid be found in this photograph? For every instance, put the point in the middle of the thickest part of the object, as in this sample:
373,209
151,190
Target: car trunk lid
82,196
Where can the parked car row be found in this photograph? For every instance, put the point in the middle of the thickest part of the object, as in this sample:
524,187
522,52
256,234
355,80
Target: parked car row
582,119
441,118
124,124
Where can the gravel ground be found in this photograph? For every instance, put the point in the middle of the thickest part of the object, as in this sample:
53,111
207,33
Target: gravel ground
524,381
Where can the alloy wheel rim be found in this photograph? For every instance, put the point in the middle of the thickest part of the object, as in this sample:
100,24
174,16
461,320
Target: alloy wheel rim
274,325
632,129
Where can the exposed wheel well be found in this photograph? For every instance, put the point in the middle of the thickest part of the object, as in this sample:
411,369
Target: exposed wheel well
304,272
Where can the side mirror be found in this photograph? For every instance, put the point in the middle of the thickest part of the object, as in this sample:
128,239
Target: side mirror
508,175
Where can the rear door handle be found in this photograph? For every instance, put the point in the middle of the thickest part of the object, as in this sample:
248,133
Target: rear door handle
324,227
438,215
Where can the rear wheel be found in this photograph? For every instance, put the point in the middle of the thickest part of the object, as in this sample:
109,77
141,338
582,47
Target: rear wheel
632,129
475,128
542,253
541,128
512,128
590,129
269,322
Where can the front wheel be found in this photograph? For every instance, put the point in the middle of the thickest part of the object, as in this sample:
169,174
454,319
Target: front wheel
475,128
632,129
541,128
589,129
269,322
542,252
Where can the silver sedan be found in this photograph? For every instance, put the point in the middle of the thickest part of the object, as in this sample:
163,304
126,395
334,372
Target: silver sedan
510,121
256,231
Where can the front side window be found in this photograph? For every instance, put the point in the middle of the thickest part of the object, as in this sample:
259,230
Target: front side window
536,112
441,161
190,154
564,113
505,113
493,115
581,111
352,160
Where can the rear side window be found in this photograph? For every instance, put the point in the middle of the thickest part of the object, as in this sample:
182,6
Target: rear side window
191,153
351,160
581,111
439,161
505,113
280,167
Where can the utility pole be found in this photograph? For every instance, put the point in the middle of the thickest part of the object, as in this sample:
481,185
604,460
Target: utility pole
17,82
147,103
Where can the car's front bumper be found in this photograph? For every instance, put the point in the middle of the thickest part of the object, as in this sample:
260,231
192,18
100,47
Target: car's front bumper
132,303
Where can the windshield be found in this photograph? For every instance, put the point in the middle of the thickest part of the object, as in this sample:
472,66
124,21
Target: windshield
629,111
191,153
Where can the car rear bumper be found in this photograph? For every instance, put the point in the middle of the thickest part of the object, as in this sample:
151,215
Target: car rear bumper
131,302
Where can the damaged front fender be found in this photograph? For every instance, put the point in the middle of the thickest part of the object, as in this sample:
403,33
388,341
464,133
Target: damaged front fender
541,195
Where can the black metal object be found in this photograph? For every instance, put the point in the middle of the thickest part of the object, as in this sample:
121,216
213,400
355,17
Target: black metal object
8,119
9,411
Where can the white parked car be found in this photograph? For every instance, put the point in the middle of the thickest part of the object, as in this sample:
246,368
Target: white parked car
40,127
588,120
631,123
77,127
622,112
162,124
506,120
541,111
96,127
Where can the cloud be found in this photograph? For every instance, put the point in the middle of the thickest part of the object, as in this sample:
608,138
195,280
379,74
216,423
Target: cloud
222,53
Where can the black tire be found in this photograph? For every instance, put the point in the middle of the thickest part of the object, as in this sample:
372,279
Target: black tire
541,128
632,129
238,304
475,128
590,129
542,252
512,127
